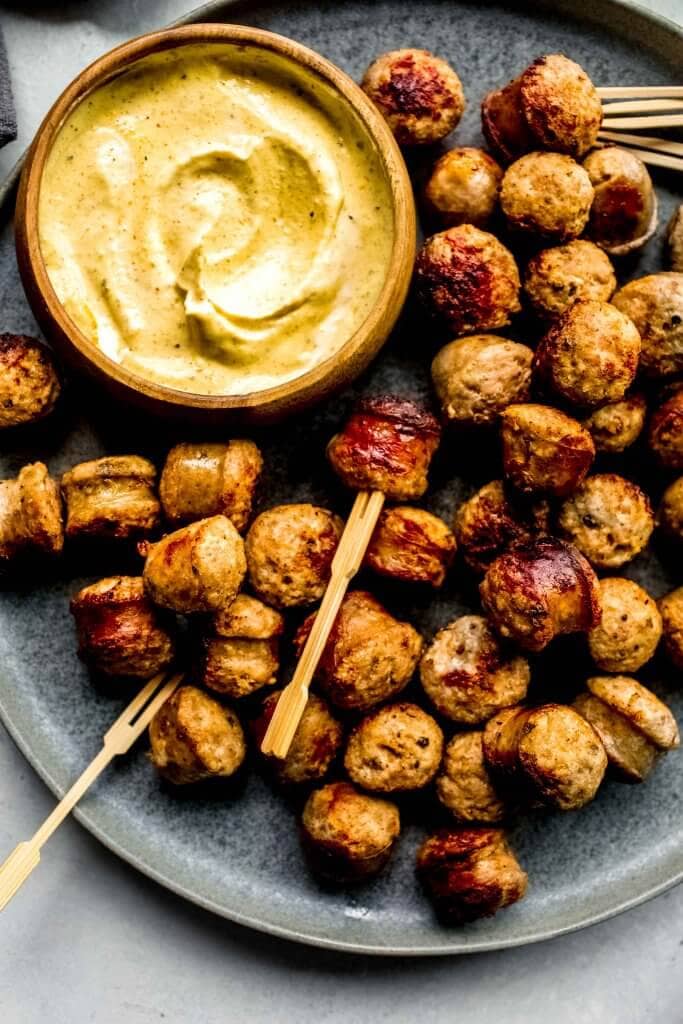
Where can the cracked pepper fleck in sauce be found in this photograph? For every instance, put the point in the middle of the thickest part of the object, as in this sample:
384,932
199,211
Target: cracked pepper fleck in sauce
216,219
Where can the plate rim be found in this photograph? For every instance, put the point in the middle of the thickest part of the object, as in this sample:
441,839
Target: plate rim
89,819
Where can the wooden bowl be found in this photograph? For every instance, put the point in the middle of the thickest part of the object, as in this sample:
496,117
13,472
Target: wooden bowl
271,403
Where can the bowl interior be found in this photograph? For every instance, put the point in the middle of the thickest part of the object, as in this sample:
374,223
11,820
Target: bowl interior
349,358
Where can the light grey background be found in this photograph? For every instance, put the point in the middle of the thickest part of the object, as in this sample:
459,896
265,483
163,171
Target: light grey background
90,940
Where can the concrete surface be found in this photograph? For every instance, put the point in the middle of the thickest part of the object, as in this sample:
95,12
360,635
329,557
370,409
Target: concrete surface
90,941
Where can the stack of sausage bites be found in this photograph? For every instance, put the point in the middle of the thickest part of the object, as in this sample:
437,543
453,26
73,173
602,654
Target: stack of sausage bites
393,712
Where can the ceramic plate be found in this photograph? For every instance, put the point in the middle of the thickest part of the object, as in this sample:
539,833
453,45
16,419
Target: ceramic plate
239,856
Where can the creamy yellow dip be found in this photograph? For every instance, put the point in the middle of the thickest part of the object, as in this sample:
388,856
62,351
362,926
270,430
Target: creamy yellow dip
216,219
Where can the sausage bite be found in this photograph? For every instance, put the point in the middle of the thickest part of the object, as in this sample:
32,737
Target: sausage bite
552,105
665,434
655,305
630,627
546,195
468,674
494,520
463,188
120,632
30,515
396,748
386,445
476,378
317,740
624,212
544,450
670,511
469,873
608,518
369,656
29,383
674,239
617,425
547,755
241,649
671,610
635,727
347,835
289,553
411,544
202,480
198,568
419,95
111,498
194,738
464,785
467,279
590,354
556,278
537,592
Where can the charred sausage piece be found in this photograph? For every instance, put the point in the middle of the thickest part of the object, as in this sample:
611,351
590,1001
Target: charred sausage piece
674,237
665,435
369,656
544,450
540,591
386,445
348,836
624,211
552,105
468,674
202,480
194,738
476,378
617,425
547,196
630,627
590,355
548,755
411,544
670,511
608,518
671,610
316,742
120,632
241,651
556,278
111,498
30,515
635,727
29,383
655,305
494,521
468,280
419,95
463,188
464,785
289,553
198,568
470,873
395,748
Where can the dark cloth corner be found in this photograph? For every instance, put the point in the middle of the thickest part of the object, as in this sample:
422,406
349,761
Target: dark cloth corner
8,118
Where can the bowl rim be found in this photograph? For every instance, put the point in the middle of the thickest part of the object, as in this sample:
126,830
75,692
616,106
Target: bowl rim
316,382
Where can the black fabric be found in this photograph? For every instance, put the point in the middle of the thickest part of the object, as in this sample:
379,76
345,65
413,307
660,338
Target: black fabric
8,118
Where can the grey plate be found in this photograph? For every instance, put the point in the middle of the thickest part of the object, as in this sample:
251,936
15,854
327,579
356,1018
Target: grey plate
239,855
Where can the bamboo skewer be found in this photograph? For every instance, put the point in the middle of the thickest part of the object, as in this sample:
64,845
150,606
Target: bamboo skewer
642,106
673,163
130,724
608,92
347,560
652,142
647,121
